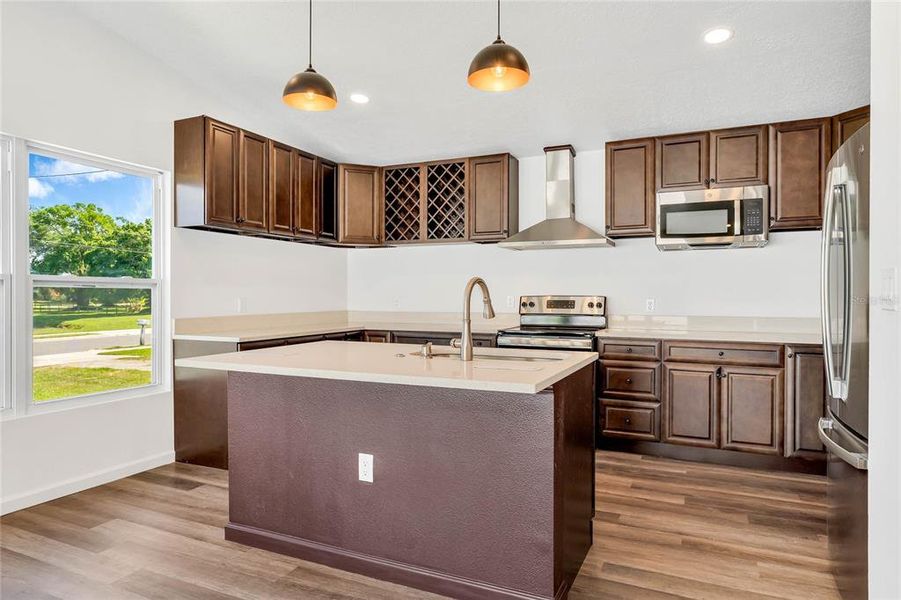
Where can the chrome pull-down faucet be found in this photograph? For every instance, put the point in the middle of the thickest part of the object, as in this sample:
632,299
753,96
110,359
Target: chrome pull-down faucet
465,342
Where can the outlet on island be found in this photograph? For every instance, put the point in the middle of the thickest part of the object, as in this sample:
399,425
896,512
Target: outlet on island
365,467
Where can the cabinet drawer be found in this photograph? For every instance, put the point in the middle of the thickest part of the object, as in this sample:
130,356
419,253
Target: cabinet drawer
635,420
760,355
629,379
624,349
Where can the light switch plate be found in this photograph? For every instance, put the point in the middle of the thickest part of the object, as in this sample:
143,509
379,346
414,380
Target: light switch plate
365,467
888,294
511,301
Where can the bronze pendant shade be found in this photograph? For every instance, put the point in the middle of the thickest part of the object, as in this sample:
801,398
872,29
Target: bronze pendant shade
499,67
309,90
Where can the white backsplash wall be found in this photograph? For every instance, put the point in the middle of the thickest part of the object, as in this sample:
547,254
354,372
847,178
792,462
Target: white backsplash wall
781,279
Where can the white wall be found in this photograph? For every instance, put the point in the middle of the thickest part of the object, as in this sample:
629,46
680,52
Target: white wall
68,81
885,326
780,279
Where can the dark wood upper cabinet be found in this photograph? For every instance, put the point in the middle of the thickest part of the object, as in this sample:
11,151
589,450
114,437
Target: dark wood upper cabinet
630,198
253,195
327,192
359,205
691,405
206,173
281,189
682,162
222,179
798,154
493,183
805,401
306,197
738,157
751,409
845,124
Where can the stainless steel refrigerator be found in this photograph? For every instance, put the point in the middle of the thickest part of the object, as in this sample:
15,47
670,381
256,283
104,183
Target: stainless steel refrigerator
845,316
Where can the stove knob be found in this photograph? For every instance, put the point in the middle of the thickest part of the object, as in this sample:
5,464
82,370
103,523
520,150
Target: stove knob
531,305
591,305
525,304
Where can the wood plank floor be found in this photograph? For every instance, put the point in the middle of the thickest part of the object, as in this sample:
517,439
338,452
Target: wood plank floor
663,529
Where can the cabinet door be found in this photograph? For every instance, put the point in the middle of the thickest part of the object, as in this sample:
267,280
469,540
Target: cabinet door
403,194
738,157
221,173
377,337
360,205
306,198
682,162
489,198
752,409
281,189
327,192
845,124
253,197
630,188
805,401
799,152
690,405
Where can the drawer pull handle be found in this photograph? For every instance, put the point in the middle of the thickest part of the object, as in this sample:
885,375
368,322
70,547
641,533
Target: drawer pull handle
628,350
721,353
628,380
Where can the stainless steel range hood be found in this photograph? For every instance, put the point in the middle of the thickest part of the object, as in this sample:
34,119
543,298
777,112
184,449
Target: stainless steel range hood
559,228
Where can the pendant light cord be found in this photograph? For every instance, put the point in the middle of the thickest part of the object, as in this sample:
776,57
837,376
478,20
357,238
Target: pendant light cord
498,19
310,55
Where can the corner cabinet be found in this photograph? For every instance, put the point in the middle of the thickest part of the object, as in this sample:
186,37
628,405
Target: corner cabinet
493,184
805,401
630,198
845,124
359,205
327,198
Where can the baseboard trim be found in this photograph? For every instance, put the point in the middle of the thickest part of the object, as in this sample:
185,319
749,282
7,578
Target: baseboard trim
373,566
78,484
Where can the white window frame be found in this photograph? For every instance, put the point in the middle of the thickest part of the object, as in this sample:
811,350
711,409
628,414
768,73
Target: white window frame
23,283
6,196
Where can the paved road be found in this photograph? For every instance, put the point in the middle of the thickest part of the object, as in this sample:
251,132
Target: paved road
82,343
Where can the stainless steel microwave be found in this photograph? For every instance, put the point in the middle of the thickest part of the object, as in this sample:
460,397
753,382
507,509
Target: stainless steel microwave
735,217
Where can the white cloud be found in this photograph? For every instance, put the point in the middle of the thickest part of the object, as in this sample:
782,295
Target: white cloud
38,188
62,170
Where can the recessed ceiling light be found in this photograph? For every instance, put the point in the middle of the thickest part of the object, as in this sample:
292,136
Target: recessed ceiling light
718,35
359,98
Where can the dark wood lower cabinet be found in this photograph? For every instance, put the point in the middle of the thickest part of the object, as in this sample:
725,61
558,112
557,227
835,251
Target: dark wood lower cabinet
378,337
751,409
630,419
805,401
690,405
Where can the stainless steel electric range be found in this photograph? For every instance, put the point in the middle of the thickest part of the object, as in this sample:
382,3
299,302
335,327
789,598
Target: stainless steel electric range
557,323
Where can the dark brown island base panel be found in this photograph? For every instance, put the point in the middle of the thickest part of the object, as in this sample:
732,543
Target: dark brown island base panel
232,180
733,403
201,424
790,157
438,516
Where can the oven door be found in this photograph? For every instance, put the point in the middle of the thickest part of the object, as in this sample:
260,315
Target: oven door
583,343
698,223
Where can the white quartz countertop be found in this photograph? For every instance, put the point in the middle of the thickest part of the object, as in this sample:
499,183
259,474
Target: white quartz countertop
702,335
393,363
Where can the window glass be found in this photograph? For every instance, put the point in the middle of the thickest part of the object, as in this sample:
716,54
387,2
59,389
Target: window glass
87,340
88,221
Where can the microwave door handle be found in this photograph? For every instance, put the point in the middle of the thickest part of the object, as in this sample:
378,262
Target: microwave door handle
736,218
825,304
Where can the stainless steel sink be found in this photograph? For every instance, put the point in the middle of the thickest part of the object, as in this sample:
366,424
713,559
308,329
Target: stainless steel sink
477,356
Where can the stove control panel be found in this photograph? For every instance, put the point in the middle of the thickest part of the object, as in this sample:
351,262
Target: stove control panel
563,305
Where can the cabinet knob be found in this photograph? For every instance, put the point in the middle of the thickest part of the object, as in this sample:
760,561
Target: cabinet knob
712,180
628,420
721,353
707,182
628,350
239,220
628,380
790,354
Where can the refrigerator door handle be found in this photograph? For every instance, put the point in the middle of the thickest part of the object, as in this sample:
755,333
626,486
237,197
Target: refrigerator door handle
842,383
858,460
825,305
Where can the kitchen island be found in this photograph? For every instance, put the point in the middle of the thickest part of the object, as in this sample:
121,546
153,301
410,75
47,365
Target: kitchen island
482,472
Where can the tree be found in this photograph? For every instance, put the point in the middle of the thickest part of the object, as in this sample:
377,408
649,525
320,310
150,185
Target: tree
82,240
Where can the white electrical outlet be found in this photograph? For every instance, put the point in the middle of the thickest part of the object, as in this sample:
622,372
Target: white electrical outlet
511,301
888,295
241,304
365,467
650,305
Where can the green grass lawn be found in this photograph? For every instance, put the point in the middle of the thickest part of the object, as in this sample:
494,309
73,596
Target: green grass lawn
139,353
51,383
70,322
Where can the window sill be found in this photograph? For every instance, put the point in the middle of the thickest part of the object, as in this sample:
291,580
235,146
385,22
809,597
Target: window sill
56,406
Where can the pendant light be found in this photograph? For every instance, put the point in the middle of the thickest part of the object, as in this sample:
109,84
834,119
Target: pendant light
309,90
499,67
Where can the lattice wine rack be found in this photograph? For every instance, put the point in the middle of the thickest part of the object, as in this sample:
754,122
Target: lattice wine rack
403,204
446,201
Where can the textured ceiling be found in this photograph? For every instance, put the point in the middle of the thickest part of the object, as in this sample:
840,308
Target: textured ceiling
600,70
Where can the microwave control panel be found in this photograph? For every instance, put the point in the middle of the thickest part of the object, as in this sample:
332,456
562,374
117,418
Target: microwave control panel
752,217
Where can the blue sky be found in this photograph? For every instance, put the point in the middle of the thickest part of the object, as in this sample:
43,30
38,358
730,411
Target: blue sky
53,181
